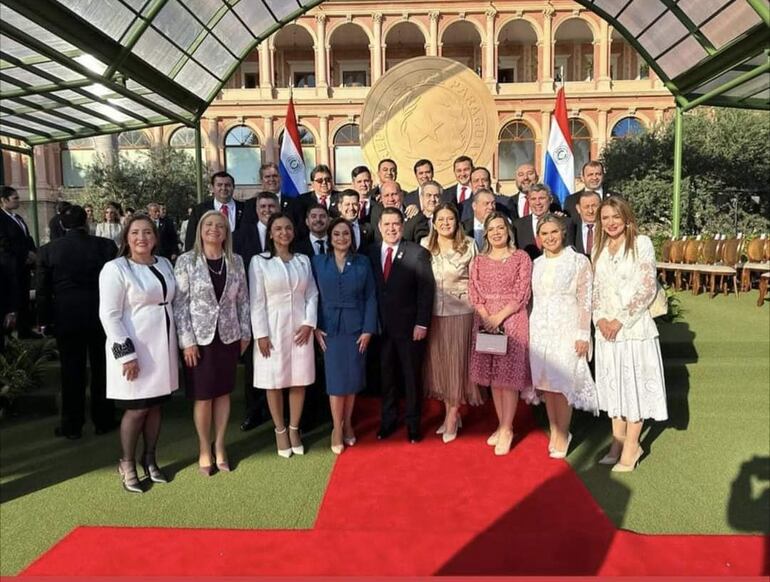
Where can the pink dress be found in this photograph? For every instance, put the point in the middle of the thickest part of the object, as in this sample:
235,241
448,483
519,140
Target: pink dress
495,285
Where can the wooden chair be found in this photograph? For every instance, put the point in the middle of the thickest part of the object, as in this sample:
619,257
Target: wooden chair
730,259
665,258
764,281
692,250
719,259
756,262
676,258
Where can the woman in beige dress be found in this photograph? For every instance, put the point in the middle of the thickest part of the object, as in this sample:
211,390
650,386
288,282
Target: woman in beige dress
447,376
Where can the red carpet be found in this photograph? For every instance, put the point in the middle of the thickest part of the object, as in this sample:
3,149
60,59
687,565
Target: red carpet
397,509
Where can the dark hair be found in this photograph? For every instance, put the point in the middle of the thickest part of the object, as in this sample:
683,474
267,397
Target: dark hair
130,209
268,239
124,249
460,243
271,195
62,206
320,169
477,168
591,164
462,159
350,192
266,166
588,194
391,210
359,170
316,207
73,216
222,174
423,162
335,222
7,191
382,161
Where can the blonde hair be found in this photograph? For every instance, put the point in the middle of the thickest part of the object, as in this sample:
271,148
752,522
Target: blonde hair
627,215
486,248
227,244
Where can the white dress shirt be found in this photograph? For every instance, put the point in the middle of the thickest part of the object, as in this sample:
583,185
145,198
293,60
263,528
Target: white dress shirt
521,201
262,232
384,252
230,211
314,242
356,233
468,192
584,228
478,232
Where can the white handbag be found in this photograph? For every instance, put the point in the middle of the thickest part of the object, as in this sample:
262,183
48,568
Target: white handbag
659,305
491,343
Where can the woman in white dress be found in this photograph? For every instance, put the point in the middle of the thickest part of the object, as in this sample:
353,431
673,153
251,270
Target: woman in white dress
560,332
284,308
135,295
111,228
629,367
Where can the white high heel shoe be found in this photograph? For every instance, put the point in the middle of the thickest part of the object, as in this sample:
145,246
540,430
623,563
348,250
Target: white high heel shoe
621,468
554,454
448,437
285,453
300,448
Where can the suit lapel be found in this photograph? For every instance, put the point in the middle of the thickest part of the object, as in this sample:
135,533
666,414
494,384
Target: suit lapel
202,269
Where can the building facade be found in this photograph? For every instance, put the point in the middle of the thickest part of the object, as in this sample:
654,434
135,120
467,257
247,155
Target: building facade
330,57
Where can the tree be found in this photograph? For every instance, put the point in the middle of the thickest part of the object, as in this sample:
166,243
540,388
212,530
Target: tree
725,169
165,175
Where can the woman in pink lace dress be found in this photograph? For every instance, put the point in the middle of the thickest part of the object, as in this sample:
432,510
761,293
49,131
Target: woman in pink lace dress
499,291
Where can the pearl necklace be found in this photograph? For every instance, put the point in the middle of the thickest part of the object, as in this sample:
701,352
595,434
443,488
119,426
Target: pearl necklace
221,267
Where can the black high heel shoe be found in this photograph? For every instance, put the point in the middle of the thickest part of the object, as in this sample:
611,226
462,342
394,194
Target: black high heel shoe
128,476
152,470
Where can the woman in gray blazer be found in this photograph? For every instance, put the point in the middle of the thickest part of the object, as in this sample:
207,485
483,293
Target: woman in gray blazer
211,310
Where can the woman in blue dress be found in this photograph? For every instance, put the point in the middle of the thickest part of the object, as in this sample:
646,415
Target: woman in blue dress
347,318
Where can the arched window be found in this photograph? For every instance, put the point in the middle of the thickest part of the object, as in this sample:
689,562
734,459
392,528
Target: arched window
307,141
243,155
627,127
581,143
516,147
76,156
134,145
347,152
183,139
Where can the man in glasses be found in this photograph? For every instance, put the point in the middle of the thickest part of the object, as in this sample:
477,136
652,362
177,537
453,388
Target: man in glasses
322,191
270,178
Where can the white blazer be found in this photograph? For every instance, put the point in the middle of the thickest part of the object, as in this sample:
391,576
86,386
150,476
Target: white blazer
133,312
284,297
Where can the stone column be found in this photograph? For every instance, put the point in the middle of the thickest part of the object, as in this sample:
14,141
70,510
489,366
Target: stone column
213,149
433,38
320,53
377,46
602,138
269,141
604,56
490,75
265,66
546,67
323,130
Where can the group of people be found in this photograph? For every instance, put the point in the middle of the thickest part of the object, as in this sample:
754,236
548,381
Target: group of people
449,293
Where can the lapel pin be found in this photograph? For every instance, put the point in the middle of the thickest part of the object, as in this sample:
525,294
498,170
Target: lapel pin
400,255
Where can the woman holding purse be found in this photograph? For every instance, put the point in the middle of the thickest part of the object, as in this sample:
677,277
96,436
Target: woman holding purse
499,292
629,366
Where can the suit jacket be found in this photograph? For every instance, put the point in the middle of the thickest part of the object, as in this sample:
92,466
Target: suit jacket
367,236
15,242
502,204
412,197
305,247
200,210
168,245
246,243
415,228
288,205
9,292
525,237
348,300
198,314
68,270
307,199
406,298
577,237
571,202
450,196
55,229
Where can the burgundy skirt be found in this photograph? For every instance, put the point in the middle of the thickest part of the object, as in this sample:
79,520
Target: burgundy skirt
214,376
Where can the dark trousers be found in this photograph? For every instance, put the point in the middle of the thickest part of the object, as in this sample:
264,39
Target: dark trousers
256,402
401,362
74,350
24,317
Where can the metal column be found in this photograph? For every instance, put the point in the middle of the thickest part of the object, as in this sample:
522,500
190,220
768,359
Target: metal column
676,210
198,161
33,196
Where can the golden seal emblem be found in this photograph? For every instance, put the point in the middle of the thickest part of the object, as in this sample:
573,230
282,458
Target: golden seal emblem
432,108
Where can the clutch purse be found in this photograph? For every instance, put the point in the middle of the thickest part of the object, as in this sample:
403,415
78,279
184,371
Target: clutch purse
491,343
659,305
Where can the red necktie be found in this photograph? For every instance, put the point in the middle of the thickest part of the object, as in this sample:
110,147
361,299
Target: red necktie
388,264
590,239
462,194
322,200
526,207
362,211
225,210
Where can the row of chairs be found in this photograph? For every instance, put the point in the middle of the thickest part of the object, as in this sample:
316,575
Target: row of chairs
695,263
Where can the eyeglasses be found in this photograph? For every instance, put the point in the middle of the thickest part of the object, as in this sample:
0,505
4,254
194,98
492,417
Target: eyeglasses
323,180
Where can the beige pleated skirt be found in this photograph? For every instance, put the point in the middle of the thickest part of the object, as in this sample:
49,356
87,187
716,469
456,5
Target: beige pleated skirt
447,376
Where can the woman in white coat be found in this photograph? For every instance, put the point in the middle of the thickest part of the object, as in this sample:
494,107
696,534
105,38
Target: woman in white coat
135,295
629,367
284,306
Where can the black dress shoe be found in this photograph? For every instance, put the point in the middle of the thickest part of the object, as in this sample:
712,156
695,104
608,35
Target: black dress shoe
252,422
73,436
385,432
414,436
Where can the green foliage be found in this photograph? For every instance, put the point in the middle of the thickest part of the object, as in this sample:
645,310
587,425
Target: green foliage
21,366
164,175
725,162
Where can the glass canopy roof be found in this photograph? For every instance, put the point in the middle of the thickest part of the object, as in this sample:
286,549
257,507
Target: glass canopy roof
76,68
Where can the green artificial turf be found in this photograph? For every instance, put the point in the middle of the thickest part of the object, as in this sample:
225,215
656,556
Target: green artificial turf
707,470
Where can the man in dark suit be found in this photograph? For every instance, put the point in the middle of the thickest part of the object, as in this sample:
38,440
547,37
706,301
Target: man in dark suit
461,191
222,188
387,171
17,248
584,228
483,205
391,196
322,191
540,199
55,229
316,242
592,176
68,305
349,210
270,177
481,179
405,288
168,243
423,172
361,179
248,241
526,177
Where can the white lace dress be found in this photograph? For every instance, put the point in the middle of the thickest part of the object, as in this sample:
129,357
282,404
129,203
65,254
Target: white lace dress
629,370
561,315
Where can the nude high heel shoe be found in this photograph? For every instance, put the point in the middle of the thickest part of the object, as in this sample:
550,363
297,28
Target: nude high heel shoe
621,468
554,454
448,437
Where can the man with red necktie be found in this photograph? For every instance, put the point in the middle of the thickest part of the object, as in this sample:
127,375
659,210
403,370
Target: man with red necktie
585,226
461,192
222,189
